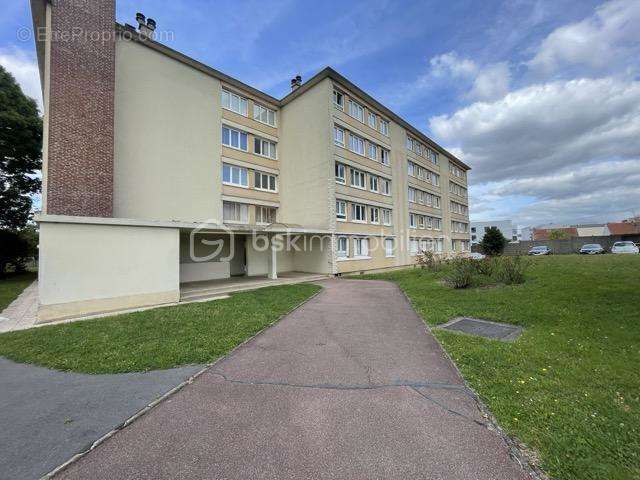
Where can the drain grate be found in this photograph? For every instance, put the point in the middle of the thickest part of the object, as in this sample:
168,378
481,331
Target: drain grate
483,328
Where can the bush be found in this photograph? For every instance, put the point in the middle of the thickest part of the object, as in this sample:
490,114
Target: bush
16,248
510,270
461,272
430,261
493,242
484,266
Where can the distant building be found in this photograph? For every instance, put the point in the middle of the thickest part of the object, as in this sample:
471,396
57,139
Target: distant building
525,234
593,230
549,233
624,228
478,230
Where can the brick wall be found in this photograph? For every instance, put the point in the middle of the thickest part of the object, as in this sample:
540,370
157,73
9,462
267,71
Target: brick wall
81,103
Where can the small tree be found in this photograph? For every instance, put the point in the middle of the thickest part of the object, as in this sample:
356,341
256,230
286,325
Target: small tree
493,242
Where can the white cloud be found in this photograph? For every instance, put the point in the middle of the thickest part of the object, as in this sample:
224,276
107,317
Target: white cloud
543,128
491,83
25,70
607,40
451,65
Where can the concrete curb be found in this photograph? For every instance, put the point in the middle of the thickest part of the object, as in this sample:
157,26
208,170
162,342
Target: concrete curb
173,391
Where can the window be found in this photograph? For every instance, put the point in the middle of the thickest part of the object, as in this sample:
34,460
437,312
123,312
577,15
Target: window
357,179
384,127
456,171
421,221
375,214
411,169
438,244
264,148
232,175
437,223
342,247
372,152
266,181
413,221
385,186
432,156
233,102
265,215
264,115
409,143
414,246
371,120
388,247
358,213
373,183
235,212
338,136
386,216
459,227
412,194
356,111
338,100
234,138
457,189
356,144
341,210
460,209
384,157
361,247
340,173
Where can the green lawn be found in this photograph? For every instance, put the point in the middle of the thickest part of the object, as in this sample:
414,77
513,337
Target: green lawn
154,339
570,386
12,285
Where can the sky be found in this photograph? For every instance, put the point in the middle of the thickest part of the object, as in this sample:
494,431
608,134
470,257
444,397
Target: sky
540,98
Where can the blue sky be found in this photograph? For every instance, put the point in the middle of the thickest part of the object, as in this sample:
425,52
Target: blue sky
541,98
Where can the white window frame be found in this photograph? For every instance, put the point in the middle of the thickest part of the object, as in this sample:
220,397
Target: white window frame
385,157
385,185
358,207
241,211
243,103
374,215
414,246
384,127
411,194
371,117
387,217
356,141
359,174
341,168
259,110
374,183
242,172
341,210
338,136
413,221
361,247
338,100
356,111
268,176
272,148
240,135
372,151
260,214
342,254
389,248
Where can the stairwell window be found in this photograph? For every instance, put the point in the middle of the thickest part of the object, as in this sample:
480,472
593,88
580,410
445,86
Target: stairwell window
235,176
342,247
341,176
266,181
264,148
233,102
338,136
413,221
264,115
338,100
234,212
356,111
234,138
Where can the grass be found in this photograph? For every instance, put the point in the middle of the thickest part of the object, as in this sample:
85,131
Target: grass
154,339
570,386
12,285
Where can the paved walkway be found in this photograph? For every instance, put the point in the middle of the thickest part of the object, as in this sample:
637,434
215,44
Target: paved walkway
47,417
22,312
349,386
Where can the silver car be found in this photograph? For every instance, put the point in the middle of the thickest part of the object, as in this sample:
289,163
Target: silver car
540,250
592,249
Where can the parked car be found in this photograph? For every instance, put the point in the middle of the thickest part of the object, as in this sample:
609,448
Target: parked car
624,247
540,250
592,249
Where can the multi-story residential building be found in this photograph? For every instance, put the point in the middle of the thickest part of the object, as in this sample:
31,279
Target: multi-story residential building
160,171
506,227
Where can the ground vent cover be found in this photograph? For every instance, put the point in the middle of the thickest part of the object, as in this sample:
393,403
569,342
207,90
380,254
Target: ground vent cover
483,328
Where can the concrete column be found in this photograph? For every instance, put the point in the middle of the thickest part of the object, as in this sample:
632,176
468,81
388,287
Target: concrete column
273,260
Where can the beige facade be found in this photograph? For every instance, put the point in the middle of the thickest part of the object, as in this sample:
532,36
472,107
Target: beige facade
327,163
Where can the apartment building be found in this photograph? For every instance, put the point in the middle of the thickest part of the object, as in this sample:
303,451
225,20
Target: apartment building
160,171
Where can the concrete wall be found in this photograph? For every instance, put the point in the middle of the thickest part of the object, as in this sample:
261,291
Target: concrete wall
306,174
167,138
87,268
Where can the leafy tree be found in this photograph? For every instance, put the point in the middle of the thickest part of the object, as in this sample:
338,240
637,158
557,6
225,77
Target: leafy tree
20,148
558,235
493,242
17,248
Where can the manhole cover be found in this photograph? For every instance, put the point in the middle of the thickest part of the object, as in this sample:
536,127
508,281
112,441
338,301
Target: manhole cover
483,328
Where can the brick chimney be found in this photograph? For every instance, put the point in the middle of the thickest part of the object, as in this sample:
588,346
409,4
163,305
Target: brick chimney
80,108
